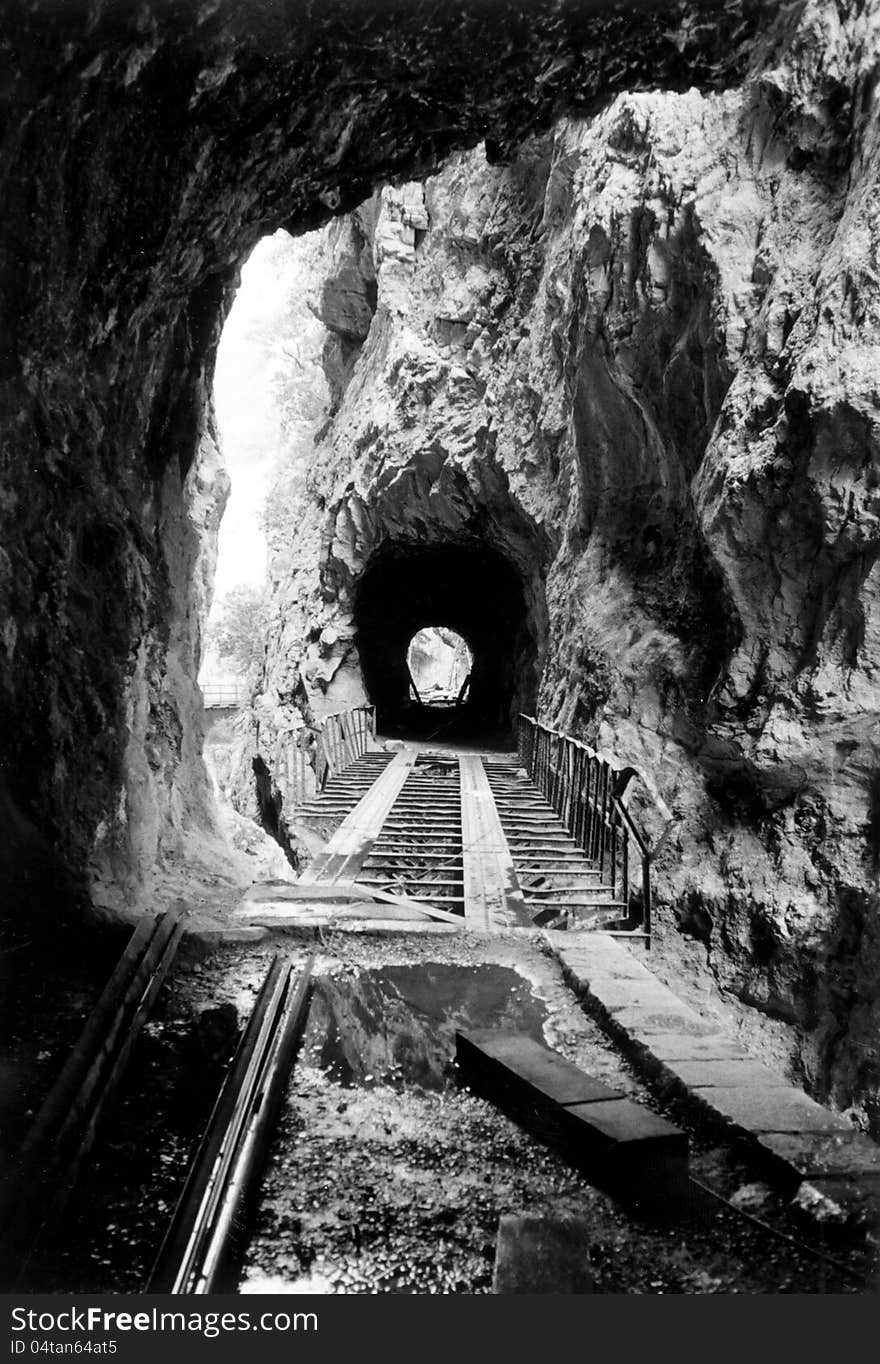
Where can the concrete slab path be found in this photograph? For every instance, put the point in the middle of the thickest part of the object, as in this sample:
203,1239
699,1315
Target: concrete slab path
817,1148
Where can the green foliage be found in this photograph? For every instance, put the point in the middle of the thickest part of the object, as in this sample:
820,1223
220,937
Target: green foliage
269,387
238,633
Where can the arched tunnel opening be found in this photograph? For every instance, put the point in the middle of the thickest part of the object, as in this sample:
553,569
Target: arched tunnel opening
440,663
471,591
147,151
559,385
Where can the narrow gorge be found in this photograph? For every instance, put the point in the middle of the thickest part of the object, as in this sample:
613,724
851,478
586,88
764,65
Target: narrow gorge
593,400
599,290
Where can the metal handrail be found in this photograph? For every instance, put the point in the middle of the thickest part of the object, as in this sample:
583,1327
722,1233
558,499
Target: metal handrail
587,791
224,695
307,758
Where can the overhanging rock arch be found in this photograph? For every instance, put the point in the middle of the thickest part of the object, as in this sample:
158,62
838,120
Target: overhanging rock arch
146,150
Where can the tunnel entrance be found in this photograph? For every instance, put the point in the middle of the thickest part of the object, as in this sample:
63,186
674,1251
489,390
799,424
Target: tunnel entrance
471,594
439,663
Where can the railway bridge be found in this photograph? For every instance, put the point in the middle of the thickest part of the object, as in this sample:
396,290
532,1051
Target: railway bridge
543,837
512,891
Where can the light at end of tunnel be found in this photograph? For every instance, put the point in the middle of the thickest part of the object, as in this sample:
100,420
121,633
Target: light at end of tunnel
439,662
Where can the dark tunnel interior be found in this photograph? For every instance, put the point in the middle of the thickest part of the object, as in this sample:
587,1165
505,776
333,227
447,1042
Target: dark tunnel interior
472,590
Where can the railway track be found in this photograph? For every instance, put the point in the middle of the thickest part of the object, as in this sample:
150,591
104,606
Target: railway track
342,793
471,835
221,1203
418,850
559,881
439,830
201,1240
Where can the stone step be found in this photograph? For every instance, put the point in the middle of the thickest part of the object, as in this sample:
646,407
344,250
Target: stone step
802,1140
542,1254
619,1144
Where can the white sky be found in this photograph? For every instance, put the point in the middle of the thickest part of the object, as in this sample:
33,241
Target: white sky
249,434
268,334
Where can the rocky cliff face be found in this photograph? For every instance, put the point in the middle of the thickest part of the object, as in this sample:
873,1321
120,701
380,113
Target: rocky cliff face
145,149
638,365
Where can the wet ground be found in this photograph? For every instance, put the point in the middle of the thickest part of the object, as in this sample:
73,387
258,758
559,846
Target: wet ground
386,1175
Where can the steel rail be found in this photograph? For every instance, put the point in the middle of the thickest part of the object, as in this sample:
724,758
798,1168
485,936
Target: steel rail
202,1240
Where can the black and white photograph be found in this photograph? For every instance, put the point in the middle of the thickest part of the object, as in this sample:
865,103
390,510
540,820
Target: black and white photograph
439,660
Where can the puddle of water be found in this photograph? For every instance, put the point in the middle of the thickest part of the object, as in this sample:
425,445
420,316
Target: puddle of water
397,1025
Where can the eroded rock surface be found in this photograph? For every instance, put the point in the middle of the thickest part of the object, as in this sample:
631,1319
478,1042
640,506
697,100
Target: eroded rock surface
639,362
145,149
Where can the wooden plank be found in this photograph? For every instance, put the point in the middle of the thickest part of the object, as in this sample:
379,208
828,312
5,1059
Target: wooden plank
493,897
286,914
385,898
352,842
73,1075
34,1193
338,892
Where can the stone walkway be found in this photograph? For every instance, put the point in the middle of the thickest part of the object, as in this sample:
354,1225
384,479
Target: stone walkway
821,1151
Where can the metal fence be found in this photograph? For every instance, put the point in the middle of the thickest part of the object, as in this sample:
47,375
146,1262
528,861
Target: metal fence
224,695
587,793
306,759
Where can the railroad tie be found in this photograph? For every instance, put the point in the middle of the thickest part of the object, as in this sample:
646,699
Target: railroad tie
350,845
619,1145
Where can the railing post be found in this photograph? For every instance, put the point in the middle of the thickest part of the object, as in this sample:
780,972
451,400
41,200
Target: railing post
576,795
603,819
592,839
566,780
334,731
646,894
583,794
322,758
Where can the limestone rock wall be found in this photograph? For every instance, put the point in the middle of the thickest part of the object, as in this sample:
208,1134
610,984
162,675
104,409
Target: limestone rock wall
640,361
144,150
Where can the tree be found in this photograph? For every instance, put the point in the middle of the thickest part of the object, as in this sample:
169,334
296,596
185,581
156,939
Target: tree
238,633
